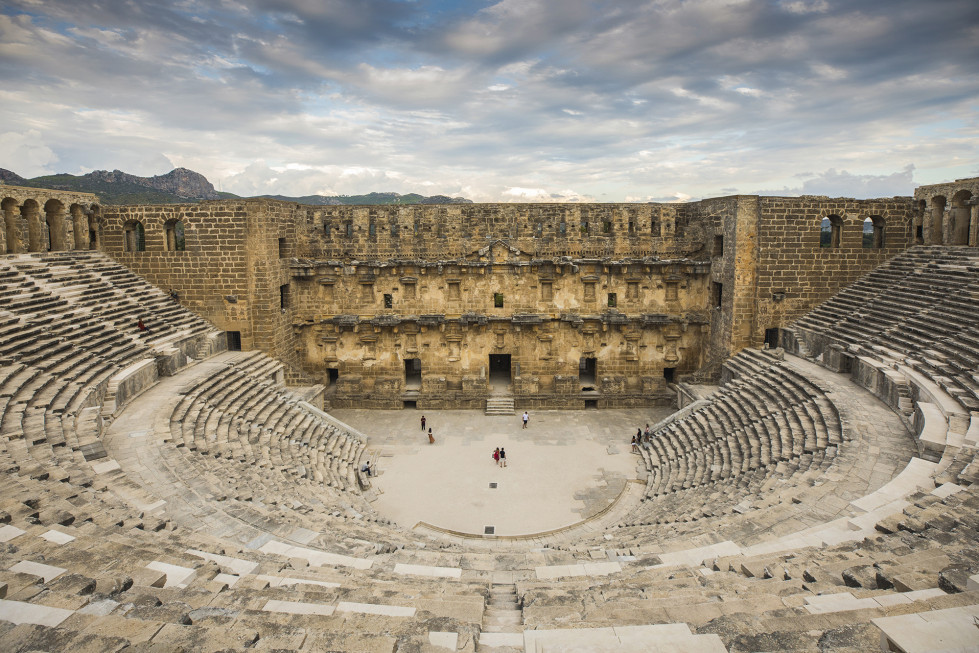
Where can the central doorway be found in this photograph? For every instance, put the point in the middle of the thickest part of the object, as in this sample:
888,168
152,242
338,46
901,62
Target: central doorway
586,372
413,374
499,372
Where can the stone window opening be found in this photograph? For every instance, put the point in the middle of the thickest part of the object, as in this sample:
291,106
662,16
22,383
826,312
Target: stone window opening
718,245
612,300
831,231
395,230
326,229
873,232
717,294
539,229
546,291
672,291
562,228
584,227
454,291
632,227
632,291
388,300
176,241
606,226
372,229
134,236
349,229
497,300
284,297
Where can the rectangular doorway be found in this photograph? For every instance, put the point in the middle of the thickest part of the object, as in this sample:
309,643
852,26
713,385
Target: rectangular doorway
413,374
499,369
234,340
587,368
771,338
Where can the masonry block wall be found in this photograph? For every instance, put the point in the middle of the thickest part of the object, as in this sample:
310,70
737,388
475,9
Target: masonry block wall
797,269
567,305
228,270
596,303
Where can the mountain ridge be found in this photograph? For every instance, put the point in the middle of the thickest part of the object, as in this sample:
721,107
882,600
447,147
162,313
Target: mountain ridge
182,185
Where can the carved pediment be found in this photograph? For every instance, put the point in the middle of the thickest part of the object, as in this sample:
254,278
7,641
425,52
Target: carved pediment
499,251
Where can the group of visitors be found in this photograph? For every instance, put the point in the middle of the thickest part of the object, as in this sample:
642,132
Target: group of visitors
431,438
499,455
640,438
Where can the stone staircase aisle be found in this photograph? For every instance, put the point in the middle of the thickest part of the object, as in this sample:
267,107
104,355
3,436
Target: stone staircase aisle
499,406
502,630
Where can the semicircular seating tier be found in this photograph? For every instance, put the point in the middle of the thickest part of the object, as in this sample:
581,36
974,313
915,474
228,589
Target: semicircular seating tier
776,514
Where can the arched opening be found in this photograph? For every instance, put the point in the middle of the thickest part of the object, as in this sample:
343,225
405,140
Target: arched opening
873,232
937,214
831,231
94,227
134,236
175,240
32,214
54,218
960,218
79,226
919,219
10,225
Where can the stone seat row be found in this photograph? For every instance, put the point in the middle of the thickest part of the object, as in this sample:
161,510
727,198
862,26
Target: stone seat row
925,364
238,412
764,414
920,560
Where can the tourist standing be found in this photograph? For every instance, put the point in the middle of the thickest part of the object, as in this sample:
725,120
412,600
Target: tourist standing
526,418
502,457
423,422
431,438
496,456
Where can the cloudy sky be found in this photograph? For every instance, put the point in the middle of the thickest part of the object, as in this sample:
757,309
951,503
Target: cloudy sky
542,100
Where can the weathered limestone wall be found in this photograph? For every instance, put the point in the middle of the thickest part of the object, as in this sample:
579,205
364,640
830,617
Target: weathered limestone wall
448,232
602,304
553,315
229,271
795,273
41,220
948,214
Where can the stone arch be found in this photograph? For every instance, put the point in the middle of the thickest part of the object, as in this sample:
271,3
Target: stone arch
54,218
134,236
174,236
95,227
79,226
960,218
31,213
831,231
873,232
11,226
937,219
